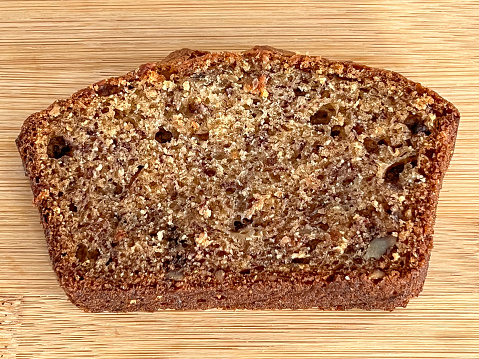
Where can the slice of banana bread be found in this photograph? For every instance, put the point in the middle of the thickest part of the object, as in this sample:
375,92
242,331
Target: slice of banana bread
259,180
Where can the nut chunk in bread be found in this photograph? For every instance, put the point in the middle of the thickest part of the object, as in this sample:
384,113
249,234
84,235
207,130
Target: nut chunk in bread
258,180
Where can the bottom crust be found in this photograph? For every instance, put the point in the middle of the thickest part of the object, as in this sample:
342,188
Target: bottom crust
361,293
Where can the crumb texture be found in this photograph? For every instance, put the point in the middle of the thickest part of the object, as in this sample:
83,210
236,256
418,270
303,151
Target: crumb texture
219,171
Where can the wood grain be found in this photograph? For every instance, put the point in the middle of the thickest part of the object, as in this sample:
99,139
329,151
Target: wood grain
49,49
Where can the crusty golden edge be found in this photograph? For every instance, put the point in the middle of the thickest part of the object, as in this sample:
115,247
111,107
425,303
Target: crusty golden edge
358,292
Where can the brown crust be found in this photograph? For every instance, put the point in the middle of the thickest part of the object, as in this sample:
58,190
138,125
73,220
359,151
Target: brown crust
259,293
183,55
338,295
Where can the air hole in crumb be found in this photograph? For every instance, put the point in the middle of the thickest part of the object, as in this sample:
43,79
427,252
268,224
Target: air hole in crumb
323,115
60,194
202,136
72,207
94,254
201,300
330,278
58,147
371,145
324,226
316,148
230,190
301,260
430,153
337,131
117,189
383,142
416,125
392,100
393,172
348,181
245,271
241,223
82,252
358,129
163,136
118,114
387,208
298,92
314,243
275,177
210,172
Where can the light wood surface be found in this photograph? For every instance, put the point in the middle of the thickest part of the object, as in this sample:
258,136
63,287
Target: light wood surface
49,49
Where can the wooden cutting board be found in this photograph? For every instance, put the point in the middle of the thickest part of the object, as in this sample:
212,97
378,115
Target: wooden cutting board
49,49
